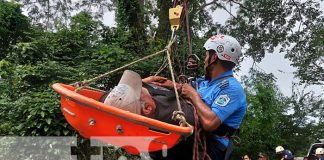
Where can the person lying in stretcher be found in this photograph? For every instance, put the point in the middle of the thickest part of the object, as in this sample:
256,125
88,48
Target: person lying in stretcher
142,97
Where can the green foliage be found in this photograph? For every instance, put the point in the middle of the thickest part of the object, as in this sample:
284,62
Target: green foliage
54,14
273,119
67,49
13,25
307,56
86,48
260,129
293,26
305,122
131,25
30,69
262,26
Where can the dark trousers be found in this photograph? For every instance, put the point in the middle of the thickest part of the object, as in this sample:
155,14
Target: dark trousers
181,151
184,151
215,150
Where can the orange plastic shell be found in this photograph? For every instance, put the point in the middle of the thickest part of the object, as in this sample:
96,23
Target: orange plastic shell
135,133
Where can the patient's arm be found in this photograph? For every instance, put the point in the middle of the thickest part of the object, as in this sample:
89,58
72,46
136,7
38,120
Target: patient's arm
151,79
162,82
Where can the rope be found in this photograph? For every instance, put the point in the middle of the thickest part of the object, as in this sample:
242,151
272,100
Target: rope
188,26
177,115
180,116
162,67
174,3
95,89
87,82
199,141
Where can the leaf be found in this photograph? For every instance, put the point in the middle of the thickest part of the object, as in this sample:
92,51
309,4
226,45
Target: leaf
42,114
46,128
29,116
66,132
48,121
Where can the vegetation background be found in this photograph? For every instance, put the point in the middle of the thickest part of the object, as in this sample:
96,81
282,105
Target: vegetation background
66,41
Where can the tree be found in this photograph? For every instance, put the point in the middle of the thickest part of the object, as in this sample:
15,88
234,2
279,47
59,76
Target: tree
61,47
273,119
302,120
29,106
53,14
13,26
308,56
163,29
260,131
292,26
130,20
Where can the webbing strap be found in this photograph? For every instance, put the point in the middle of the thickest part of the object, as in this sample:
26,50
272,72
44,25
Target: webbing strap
229,150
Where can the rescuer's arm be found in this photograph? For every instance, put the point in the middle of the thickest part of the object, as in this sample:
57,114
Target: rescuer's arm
223,104
208,119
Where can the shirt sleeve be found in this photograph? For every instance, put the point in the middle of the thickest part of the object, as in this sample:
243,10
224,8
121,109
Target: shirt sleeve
197,82
226,103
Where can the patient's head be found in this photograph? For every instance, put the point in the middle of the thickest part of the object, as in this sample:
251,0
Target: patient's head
148,105
129,95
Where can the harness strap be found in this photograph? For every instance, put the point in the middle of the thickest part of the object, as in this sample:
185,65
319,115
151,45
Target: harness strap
229,150
225,131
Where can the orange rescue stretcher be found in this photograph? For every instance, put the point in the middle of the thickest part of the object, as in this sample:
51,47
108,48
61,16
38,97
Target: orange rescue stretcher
93,119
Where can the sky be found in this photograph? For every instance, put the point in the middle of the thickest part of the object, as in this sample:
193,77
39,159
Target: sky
274,63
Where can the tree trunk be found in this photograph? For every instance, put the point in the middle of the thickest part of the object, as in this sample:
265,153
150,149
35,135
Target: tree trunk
164,25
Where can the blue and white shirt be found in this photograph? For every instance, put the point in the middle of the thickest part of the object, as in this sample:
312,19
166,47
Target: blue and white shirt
226,98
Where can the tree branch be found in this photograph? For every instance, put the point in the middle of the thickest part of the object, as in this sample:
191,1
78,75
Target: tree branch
219,5
300,16
226,10
207,4
241,5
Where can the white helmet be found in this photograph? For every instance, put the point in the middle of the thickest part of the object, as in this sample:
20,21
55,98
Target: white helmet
279,149
226,47
319,151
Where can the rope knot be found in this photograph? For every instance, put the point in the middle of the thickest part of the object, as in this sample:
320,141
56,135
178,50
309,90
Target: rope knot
80,85
168,48
176,115
180,116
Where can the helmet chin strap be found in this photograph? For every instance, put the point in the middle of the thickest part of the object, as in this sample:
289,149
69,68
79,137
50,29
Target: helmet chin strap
208,71
210,66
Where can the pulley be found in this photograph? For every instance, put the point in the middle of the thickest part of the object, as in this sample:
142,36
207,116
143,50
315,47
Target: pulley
175,17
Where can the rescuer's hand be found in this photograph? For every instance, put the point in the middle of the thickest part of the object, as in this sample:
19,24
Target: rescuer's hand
189,92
